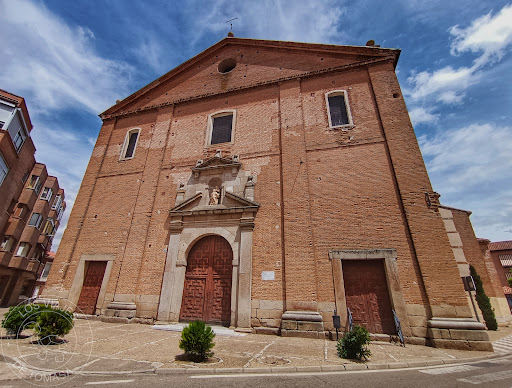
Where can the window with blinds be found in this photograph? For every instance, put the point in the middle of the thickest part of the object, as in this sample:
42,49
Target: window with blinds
221,129
130,143
338,109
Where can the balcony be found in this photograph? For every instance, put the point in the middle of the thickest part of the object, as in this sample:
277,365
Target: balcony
33,266
5,258
19,262
44,239
15,227
28,197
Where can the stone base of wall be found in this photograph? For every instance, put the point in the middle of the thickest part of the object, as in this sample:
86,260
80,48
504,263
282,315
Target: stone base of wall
119,312
308,324
123,312
267,330
458,333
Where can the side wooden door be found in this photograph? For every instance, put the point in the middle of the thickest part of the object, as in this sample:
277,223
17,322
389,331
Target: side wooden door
367,295
91,288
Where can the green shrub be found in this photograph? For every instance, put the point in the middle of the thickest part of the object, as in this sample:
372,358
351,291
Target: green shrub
51,324
353,344
21,317
509,282
483,301
47,322
197,340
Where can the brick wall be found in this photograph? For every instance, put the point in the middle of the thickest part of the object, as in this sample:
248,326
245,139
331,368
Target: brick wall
319,188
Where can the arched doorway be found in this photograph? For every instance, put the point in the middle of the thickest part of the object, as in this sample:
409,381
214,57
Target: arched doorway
207,288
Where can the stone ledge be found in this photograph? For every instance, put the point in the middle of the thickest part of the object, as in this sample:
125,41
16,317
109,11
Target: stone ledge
455,323
484,346
122,306
266,330
299,333
114,319
308,316
87,317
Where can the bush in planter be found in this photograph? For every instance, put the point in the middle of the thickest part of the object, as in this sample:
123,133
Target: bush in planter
353,344
483,301
52,323
197,340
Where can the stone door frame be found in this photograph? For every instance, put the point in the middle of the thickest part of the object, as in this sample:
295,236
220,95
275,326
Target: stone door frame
209,283
185,231
391,270
78,281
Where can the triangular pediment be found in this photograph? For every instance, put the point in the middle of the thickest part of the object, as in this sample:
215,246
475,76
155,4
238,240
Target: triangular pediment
256,62
188,204
230,203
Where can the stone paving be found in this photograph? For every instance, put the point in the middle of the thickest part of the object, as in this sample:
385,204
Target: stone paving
98,347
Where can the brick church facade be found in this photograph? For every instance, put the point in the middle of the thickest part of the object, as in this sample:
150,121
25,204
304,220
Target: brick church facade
263,185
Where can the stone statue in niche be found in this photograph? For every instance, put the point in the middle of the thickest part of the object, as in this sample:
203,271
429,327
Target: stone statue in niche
215,196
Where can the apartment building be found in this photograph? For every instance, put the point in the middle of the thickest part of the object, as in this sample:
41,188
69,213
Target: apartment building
31,204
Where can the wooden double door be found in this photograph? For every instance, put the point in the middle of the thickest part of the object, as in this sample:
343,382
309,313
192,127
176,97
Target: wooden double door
207,287
367,295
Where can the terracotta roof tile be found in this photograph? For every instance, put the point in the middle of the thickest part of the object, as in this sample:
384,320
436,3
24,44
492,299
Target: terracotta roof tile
500,245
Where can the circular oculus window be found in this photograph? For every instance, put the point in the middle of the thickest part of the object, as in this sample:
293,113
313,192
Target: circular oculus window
227,65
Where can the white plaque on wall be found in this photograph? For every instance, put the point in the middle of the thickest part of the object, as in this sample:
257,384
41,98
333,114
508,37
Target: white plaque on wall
267,275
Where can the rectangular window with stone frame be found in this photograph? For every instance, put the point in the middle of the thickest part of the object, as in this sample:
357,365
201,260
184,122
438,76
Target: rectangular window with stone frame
130,143
221,127
338,109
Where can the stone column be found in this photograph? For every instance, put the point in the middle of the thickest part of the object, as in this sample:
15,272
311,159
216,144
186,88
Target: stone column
245,273
166,293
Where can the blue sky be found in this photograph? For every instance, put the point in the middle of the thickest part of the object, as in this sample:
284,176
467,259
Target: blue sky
71,60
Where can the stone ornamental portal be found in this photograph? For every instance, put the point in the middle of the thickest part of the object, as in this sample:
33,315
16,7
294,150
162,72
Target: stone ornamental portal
208,271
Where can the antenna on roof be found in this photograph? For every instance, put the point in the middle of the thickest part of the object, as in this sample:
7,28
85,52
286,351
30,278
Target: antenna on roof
230,33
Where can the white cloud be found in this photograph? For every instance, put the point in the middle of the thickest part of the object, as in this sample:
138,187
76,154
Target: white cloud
420,115
446,85
471,167
55,65
300,20
150,53
489,35
66,155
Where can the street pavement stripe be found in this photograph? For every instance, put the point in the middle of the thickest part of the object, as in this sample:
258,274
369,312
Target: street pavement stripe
109,382
488,377
503,346
449,369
